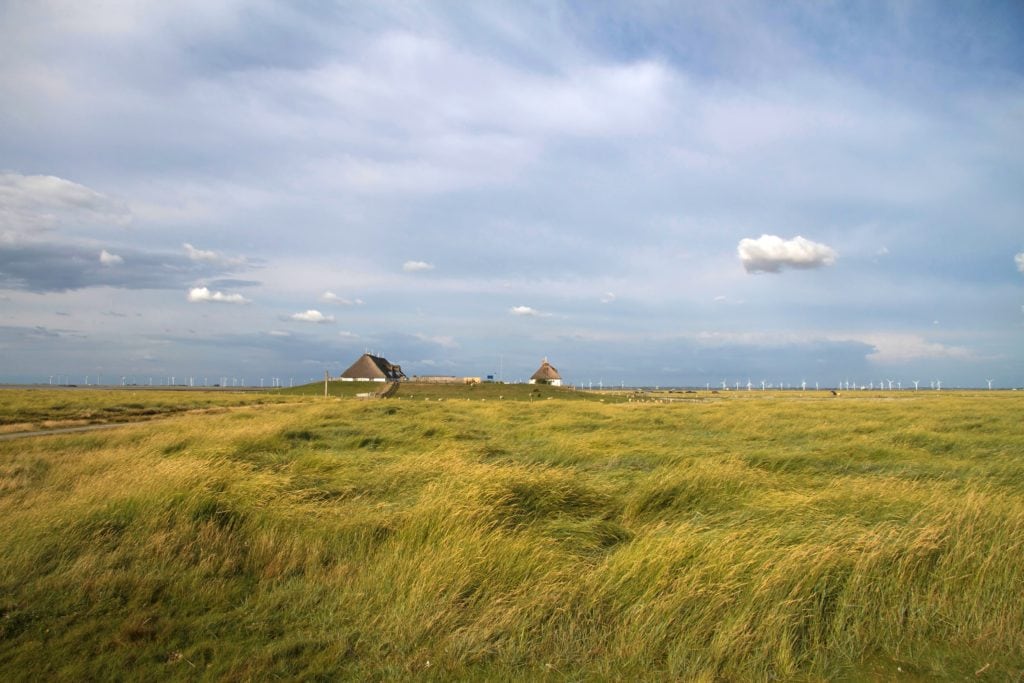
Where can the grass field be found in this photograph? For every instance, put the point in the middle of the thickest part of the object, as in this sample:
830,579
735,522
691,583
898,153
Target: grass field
29,409
746,537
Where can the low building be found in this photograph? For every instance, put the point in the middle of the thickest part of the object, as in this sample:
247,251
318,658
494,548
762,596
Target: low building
546,374
444,379
373,369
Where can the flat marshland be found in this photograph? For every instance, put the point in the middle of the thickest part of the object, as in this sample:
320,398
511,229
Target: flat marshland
739,537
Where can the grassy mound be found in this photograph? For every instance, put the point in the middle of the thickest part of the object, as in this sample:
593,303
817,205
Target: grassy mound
488,391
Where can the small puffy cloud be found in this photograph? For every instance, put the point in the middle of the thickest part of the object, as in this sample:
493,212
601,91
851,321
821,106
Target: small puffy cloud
771,254
608,297
206,256
332,298
312,316
198,295
524,310
279,333
1019,260
108,259
200,254
417,266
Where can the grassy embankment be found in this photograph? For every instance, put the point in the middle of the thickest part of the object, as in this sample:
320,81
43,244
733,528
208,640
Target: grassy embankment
790,536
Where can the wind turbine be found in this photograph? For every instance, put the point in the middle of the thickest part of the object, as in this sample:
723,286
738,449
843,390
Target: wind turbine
938,385
989,384
915,384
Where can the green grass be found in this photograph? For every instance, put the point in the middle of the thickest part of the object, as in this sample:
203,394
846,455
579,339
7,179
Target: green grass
751,537
335,388
35,408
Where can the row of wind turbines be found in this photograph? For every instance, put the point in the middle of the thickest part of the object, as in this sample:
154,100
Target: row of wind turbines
171,381
846,385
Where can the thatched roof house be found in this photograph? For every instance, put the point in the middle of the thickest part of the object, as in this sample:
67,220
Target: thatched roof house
546,374
373,369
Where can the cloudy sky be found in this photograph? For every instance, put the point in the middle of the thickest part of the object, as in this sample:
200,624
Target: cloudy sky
644,192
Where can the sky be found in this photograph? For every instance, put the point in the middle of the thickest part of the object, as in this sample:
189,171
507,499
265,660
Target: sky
645,193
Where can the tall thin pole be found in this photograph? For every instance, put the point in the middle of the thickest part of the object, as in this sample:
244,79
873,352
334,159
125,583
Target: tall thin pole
325,384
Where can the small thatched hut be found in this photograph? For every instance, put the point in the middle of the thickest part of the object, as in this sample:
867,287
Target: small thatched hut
373,369
546,374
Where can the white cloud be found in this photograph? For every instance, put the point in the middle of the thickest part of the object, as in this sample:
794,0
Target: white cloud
200,254
608,297
108,259
32,203
345,334
1019,260
279,333
416,266
332,298
899,348
771,254
312,316
207,256
198,295
441,340
524,310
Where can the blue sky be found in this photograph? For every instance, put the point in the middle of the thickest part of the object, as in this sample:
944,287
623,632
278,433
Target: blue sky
648,193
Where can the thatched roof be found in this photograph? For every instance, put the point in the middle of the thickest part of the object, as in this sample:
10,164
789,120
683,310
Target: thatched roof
374,367
546,372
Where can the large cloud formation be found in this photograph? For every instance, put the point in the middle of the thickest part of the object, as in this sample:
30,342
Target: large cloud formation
33,203
771,254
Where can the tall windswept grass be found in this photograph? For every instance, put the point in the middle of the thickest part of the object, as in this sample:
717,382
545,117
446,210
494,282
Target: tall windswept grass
750,538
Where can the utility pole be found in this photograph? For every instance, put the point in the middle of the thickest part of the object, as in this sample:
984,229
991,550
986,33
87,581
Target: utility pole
325,383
